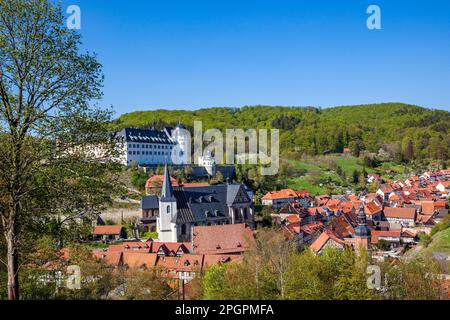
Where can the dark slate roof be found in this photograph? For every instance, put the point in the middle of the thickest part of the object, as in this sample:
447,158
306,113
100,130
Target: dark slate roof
144,136
149,202
199,204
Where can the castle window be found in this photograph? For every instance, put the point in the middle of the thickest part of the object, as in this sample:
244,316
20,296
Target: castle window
168,209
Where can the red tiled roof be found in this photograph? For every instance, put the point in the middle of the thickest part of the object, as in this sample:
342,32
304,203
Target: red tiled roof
372,208
214,259
139,259
221,239
282,194
400,213
188,262
110,230
386,188
195,185
156,181
293,218
318,244
386,233
111,258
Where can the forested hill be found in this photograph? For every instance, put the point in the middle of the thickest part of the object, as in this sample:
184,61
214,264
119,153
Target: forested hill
405,131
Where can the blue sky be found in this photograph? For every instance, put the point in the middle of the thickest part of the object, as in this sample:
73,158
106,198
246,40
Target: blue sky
193,54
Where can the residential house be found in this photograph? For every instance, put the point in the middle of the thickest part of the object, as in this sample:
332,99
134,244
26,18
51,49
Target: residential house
276,199
405,216
150,212
109,233
390,236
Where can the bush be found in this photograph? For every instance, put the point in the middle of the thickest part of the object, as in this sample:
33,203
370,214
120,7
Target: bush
425,239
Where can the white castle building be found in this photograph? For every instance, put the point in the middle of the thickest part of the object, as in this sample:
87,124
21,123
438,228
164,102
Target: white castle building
153,147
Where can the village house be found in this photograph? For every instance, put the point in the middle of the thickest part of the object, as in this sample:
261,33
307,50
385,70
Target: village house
109,233
405,216
443,186
150,212
327,239
392,237
276,199
373,178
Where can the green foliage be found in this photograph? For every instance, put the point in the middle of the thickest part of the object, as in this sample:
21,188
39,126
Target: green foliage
138,178
274,270
444,225
314,131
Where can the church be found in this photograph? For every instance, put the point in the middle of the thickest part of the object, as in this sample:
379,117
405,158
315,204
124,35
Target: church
182,208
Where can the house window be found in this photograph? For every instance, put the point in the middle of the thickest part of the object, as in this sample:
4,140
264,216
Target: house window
168,209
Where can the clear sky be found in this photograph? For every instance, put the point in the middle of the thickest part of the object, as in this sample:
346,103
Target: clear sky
191,54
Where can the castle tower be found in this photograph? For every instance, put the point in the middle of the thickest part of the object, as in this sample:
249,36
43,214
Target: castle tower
166,222
362,231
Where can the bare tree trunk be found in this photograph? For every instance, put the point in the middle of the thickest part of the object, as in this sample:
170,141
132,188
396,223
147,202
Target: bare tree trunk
12,265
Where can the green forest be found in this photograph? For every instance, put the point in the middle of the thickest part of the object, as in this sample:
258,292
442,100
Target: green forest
404,132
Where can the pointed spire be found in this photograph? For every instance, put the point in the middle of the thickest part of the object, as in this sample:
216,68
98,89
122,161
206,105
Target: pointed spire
167,190
362,230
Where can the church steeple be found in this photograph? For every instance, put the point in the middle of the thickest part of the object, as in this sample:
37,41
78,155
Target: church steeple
167,190
362,230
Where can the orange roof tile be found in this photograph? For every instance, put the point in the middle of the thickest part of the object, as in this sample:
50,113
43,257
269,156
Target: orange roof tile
110,230
156,181
401,213
282,194
220,239
139,259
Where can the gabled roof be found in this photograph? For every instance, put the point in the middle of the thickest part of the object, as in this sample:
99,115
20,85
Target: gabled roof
214,259
150,202
188,263
200,203
282,194
221,239
399,213
371,208
139,259
156,181
108,230
110,258
293,218
386,188
320,242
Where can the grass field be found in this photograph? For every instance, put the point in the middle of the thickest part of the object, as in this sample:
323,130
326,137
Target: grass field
440,243
301,184
322,169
